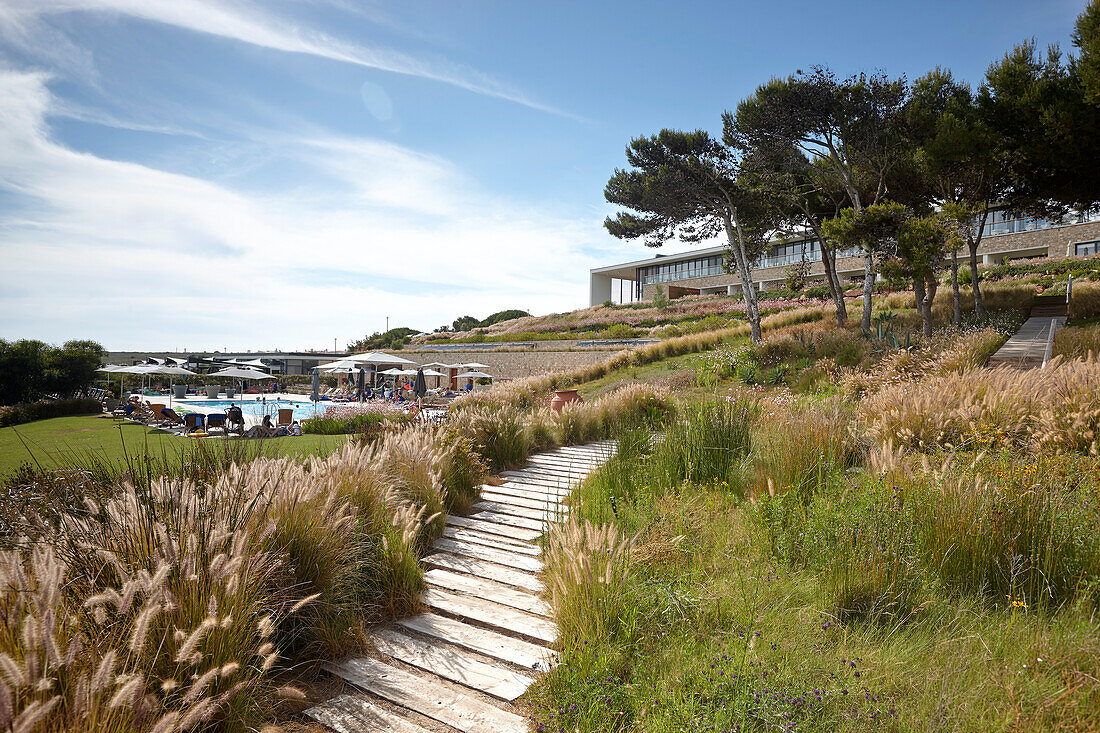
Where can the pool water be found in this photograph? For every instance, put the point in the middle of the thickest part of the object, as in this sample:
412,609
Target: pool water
258,408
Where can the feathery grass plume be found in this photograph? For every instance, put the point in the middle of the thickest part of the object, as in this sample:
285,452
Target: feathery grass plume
1057,408
1077,342
1085,301
587,575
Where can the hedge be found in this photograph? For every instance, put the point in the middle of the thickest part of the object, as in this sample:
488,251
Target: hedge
31,411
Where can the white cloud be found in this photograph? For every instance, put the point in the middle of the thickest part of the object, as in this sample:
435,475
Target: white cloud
145,258
239,20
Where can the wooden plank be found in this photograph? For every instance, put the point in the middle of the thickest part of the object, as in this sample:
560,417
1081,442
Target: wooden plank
433,700
490,643
555,464
484,569
491,614
488,590
354,713
526,491
491,540
509,519
549,484
583,465
508,531
500,557
518,511
452,664
548,472
556,491
553,506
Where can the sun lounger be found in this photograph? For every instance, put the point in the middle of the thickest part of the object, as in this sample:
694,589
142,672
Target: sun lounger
286,416
194,420
171,417
216,420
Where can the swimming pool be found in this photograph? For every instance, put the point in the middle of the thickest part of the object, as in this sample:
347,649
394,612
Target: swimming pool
255,408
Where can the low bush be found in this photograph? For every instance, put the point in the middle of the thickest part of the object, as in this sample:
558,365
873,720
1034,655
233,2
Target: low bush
31,411
363,418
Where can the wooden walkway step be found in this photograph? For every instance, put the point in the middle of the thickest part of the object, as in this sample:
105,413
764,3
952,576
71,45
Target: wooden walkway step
486,632
468,714
451,664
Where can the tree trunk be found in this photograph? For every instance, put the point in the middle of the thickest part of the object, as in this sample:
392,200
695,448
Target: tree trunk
972,242
925,313
979,304
748,292
955,285
929,301
868,289
828,260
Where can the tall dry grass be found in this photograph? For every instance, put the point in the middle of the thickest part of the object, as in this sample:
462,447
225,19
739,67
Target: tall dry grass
1077,342
796,451
535,391
587,574
1056,408
1085,301
170,605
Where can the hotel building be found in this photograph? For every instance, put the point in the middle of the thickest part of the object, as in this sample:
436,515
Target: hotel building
1007,236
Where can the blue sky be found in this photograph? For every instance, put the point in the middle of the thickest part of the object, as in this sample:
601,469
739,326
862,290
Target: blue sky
204,174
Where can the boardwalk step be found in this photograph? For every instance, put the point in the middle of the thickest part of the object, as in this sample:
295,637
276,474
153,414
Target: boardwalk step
467,714
488,590
546,505
491,540
483,569
353,714
548,513
490,643
508,531
500,557
523,522
452,664
491,614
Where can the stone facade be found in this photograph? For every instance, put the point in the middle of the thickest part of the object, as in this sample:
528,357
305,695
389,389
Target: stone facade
1055,242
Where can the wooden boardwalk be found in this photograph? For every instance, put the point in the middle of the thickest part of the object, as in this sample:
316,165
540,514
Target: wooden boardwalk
485,632
1029,347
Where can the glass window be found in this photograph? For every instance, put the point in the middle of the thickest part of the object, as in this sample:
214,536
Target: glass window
1083,249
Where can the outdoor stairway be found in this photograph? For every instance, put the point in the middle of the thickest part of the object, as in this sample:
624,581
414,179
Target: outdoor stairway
485,633
1029,347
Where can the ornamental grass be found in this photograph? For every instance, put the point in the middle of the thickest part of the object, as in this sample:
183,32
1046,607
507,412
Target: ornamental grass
173,603
1056,408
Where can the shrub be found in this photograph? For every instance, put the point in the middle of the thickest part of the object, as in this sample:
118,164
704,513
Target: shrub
365,418
31,411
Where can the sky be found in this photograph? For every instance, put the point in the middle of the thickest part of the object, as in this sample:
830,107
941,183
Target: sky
261,174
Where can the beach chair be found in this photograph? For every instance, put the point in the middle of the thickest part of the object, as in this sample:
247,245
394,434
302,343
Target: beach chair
286,416
170,417
216,420
194,421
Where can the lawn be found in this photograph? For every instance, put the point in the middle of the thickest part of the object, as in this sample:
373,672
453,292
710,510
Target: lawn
65,441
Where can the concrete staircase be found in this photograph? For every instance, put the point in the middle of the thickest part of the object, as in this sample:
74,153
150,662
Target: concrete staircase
1029,347
485,632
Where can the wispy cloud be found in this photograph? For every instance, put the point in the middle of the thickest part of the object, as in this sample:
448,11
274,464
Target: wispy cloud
246,22
147,258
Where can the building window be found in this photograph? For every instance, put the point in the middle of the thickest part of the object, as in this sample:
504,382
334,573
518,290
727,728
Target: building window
1084,249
